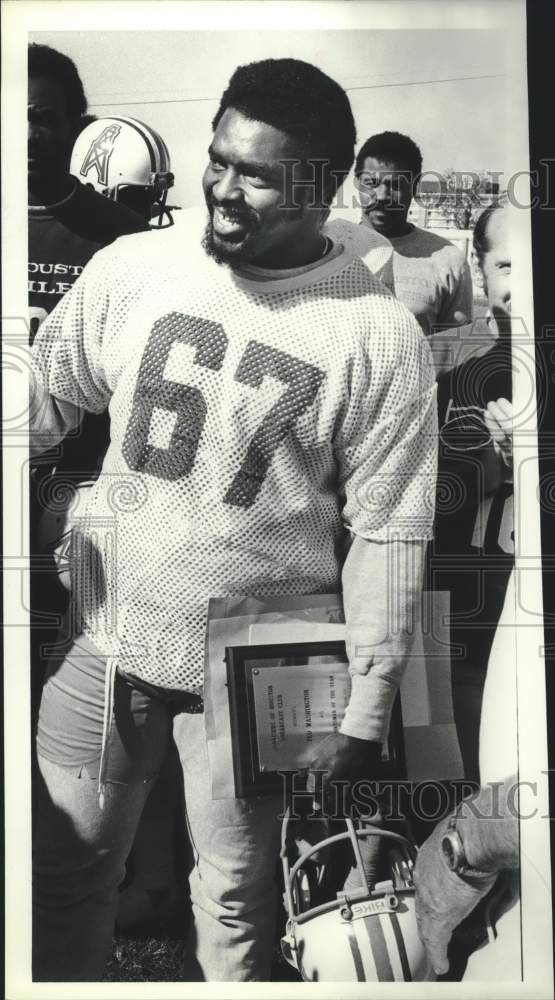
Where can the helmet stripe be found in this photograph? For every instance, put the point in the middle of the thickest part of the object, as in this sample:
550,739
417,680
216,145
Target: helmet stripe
378,945
401,946
142,132
355,952
155,139
163,154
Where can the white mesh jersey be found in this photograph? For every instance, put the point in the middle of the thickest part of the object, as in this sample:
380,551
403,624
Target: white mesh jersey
363,240
252,422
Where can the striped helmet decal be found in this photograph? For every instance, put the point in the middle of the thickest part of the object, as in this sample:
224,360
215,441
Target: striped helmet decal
378,946
377,943
355,952
157,149
394,921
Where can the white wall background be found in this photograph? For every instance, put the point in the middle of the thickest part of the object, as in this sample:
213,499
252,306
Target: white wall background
445,88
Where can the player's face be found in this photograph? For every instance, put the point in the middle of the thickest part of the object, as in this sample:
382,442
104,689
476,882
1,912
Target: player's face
50,131
496,265
244,188
385,194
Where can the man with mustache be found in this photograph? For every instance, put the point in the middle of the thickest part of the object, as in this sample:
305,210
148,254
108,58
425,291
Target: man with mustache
276,420
431,275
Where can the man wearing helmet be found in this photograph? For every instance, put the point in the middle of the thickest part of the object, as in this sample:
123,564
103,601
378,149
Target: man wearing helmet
276,418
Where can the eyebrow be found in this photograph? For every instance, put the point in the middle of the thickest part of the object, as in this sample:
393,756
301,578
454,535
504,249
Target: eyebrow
251,166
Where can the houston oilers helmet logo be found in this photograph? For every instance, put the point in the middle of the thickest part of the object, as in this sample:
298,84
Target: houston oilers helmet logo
99,153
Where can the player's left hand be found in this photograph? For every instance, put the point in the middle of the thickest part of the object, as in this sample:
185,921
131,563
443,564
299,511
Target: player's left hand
341,758
443,898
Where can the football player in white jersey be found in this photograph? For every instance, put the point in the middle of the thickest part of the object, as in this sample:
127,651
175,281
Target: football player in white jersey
273,432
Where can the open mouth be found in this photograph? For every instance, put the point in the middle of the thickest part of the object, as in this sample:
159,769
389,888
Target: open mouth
230,224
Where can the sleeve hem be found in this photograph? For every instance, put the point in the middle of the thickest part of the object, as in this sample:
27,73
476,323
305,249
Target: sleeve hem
389,534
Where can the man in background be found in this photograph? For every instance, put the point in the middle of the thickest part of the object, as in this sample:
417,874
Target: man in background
472,554
431,275
477,848
67,224
112,191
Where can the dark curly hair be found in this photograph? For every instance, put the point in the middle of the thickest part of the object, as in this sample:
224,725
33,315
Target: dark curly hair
44,61
480,240
391,147
303,102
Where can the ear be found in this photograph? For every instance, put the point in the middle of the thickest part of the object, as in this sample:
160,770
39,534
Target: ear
477,273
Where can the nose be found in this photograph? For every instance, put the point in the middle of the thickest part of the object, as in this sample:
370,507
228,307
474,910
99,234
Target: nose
381,192
227,186
32,132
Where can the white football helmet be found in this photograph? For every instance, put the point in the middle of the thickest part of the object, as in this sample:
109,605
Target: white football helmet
361,934
117,154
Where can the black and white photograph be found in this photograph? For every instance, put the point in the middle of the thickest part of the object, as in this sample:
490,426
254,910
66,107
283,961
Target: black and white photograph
275,676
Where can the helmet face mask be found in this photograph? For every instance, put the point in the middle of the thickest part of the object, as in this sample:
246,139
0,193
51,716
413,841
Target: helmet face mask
363,932
127,161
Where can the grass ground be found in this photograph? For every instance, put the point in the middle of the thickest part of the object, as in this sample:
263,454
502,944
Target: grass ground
156,953
150,959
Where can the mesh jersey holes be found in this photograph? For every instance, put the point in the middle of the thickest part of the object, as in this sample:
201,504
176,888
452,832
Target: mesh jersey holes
303,381
154,392
184,545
